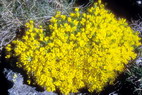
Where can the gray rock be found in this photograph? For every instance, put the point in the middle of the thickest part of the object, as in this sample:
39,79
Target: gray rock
19,88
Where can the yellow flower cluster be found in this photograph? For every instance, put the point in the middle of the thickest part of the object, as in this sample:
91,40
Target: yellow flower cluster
80,50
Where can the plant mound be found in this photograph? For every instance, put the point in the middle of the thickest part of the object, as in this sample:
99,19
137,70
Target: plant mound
82,50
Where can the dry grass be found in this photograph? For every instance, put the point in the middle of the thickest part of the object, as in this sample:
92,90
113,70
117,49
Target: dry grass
14,13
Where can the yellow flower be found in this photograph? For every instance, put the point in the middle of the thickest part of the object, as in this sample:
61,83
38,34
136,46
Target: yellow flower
53,20
76,9
79,50
69,19
63,17
72,14
7,56
31,21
